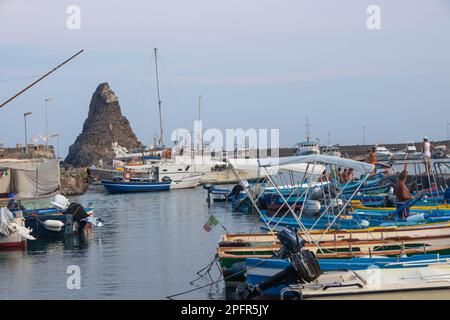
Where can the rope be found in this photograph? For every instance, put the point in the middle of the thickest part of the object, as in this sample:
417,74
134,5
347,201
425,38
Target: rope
214,282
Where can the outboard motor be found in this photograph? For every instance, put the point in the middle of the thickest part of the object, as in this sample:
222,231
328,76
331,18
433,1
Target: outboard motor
235,191
304,267
78,213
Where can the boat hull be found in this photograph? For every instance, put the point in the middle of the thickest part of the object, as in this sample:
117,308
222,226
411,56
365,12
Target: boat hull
13,241
129,187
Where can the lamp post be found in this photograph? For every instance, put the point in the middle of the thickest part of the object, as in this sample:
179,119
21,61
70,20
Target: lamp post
56,135
364,135
46,123
448,131
26,138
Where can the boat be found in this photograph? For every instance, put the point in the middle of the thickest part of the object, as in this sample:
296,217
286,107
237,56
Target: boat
440,152
382,153
138,185
334,151
307,148
395,233
398,154
64,219
412,153
232,256
189,182
259,271
13,233
302,272
390,284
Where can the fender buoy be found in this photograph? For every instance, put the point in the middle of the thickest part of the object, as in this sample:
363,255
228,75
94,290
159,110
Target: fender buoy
53,225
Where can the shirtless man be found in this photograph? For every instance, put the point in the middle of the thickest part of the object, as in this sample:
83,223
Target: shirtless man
373,156
401,192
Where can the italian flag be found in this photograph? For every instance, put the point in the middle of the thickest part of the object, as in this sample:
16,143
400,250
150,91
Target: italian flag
211,223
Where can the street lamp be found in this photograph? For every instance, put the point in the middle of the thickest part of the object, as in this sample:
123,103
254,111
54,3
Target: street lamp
56,135
448,131
26,139
46,123
364,135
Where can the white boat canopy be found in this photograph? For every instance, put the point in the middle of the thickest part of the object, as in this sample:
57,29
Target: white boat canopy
29,178
273,165
362,167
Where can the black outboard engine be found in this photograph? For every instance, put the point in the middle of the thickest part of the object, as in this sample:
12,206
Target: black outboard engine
304,267
78,213
235,191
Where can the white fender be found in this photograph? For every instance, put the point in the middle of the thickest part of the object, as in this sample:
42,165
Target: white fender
416,218
53,225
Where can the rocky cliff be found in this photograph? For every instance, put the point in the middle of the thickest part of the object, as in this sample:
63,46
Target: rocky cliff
104,125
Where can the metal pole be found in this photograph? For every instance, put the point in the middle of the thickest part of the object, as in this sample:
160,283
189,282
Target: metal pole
448,132
26,138
364,136
161,138
199,119
46,124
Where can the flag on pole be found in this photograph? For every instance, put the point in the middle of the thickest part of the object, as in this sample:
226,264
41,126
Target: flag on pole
211,223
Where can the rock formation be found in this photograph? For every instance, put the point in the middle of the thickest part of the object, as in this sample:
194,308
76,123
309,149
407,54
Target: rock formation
104,125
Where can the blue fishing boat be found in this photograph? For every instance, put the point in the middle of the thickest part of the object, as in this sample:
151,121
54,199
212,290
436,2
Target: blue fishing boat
259,270
135,186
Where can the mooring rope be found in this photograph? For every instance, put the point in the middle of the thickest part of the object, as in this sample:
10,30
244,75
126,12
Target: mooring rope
217,281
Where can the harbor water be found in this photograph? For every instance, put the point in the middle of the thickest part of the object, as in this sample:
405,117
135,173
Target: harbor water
150,247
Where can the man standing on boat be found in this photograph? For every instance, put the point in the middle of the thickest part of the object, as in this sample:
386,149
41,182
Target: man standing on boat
427,147
401,192
373,158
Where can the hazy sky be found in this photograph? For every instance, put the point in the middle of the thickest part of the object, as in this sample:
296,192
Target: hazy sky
257,64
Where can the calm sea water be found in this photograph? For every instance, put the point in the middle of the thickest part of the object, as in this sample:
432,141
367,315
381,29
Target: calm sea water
151,246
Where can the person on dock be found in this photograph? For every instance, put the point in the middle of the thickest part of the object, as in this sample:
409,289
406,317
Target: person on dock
427,147
402,194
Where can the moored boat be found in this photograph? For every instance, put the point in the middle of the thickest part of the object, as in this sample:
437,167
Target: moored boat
135,186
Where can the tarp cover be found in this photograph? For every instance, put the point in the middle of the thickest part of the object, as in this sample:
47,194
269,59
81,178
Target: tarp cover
32,177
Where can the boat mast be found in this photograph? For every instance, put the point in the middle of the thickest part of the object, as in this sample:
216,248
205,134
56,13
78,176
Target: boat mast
199,119
161,133
41,78
307,130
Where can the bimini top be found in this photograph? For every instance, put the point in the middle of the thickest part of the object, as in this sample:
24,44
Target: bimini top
273,165
362,167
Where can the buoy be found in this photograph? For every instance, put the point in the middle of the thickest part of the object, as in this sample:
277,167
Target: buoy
365,223
420,217
53,225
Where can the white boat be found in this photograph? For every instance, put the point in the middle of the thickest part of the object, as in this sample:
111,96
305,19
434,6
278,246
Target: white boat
307,148
382,153
431,282
398,154
189,182
13,233
412,153
333,151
